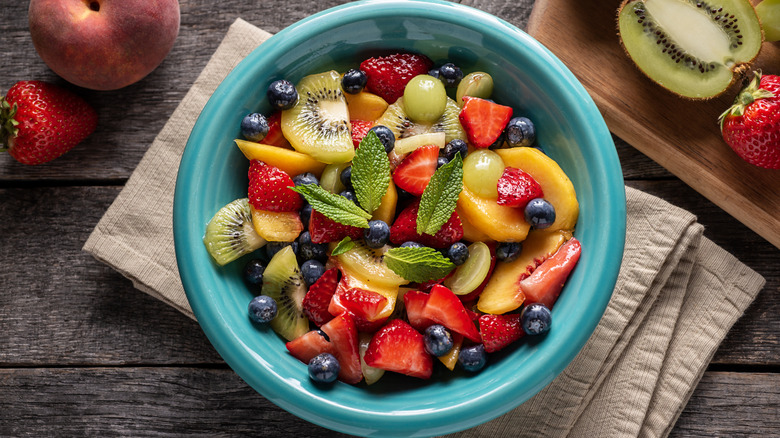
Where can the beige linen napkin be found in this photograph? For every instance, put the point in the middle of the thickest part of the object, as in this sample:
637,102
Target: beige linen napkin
676,297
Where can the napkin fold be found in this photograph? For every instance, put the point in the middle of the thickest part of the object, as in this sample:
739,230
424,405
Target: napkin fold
676,297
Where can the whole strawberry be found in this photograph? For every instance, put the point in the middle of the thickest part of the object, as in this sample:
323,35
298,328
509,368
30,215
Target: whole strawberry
752,125
40,121
269,188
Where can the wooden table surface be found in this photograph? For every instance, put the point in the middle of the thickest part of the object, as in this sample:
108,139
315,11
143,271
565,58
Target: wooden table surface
84,353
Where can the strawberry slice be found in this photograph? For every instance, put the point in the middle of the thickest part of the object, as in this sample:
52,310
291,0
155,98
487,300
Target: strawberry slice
399,348
416,170
364,306
546,281
483,120
324,230
309,345
388,75
498,331
275,136
404,229
359,130
516,187
445,308
344,336
414,303
317,298
269,188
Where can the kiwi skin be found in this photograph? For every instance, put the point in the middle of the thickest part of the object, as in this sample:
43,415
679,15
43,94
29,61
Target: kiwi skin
737,72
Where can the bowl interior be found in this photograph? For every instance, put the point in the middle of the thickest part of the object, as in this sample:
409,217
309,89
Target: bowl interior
528,78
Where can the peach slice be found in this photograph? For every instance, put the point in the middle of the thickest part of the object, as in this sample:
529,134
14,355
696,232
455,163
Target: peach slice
365,106
557,187
386,210
275,226
290,161
502,293
500,223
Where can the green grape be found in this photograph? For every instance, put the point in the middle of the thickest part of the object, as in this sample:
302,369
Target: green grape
481,171
425,99
331,177
472,273
475,84
769,14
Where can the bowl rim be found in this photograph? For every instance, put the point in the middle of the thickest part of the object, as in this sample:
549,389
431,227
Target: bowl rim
314,407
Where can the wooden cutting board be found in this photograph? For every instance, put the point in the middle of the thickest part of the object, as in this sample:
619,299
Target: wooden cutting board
681,135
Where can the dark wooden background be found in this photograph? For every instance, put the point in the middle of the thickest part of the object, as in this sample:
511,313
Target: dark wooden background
84,353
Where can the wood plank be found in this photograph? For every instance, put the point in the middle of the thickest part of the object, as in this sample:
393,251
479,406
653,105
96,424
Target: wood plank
681,135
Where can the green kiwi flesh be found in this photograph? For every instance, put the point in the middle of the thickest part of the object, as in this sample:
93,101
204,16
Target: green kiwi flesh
369,265
398,121
318,124
694,48
283,282
230,233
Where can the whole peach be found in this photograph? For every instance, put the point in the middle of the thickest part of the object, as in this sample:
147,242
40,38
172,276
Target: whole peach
103,44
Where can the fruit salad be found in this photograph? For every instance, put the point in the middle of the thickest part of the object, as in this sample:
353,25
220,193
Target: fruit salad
399,219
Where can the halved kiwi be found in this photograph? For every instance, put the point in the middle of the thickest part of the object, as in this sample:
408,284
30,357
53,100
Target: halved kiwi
283,282
398,121
230,233
694,48
318,124
368,265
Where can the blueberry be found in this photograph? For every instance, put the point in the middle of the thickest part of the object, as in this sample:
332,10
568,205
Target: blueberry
508,251
434,72
308,250
305,178
450,74
311,271
324,368
441,161
438,340
253,272
454,146
385,135
306,215
499,143
411,244
536,319
520,132
354,81
262,309
349,194
282,94
271,248
346,177
458,252
254,127
539,213
403,195
377,234
473,358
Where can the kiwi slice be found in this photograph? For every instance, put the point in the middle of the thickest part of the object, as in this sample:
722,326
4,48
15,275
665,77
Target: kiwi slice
230,233
368,265
694,48
283,282
396,118
318,124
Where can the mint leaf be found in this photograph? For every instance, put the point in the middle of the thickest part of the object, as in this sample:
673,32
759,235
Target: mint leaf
370,172
334,207
418,264
440,196
345,245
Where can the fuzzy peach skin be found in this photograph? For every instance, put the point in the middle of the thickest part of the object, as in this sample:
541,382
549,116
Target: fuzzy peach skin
103,44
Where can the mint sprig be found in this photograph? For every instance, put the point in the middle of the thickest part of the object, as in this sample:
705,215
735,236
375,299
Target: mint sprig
343,246
440,197
370,172
332,206
418,264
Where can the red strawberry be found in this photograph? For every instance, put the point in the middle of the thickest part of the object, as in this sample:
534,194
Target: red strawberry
344,336
414,303
404,229
275,136
483,120
40,121
388,75
546,281
399,348
498,331
445,308
516,187
269,188
416,170
752,125
317,298
359,130
324,230
306,347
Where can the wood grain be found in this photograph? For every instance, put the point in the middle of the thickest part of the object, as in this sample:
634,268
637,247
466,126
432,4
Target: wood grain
681,135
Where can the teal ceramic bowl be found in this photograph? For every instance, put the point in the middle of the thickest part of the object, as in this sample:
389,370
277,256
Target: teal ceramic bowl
527,77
